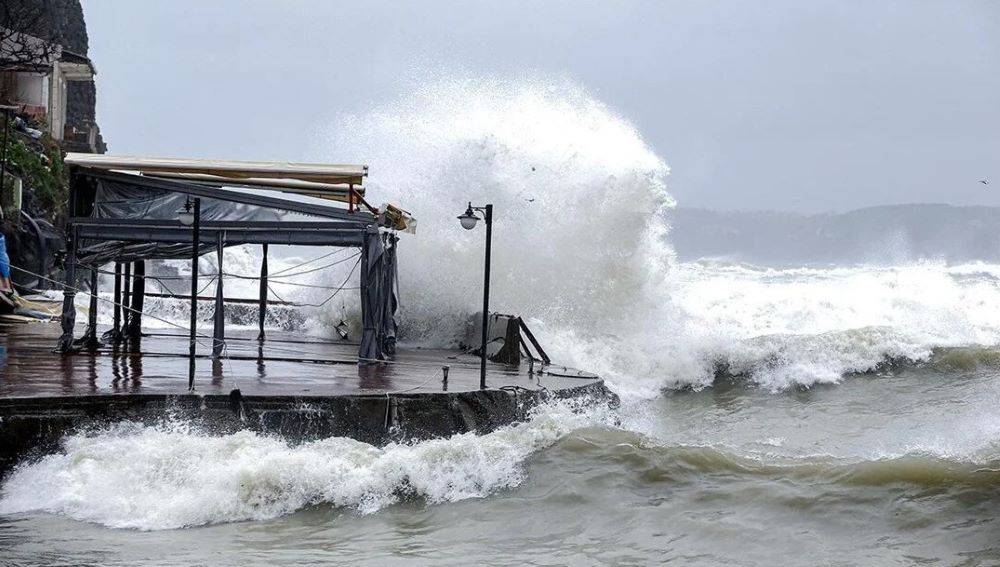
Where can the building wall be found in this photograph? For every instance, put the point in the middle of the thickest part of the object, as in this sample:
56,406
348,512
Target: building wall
31,88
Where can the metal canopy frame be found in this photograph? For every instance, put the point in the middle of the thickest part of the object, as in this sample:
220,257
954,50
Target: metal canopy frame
97,240
236,232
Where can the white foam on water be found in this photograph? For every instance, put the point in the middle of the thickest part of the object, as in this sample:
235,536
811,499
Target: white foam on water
172,476
580,250
805,326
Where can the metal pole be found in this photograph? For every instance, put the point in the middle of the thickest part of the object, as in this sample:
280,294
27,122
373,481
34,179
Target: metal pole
91,336
126,299
219,329
136,301
116,321
195,241
486,295
69,293
69,290
262,310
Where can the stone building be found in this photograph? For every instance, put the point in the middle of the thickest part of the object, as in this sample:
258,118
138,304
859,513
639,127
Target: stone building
43,88
45,69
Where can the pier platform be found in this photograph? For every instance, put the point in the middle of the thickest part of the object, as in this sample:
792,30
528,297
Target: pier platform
290,385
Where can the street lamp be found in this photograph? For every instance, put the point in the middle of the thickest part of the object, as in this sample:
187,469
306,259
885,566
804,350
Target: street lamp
190,215
469,220
186,215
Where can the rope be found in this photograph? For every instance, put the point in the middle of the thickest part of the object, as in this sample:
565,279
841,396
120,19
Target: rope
339,289
337,251
270,289
170,292
225,345
296,274
112,302
314,286
389,393
210,280
111,273
418,386
327,300
157,279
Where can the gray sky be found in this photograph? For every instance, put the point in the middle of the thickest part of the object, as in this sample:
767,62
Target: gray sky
787,105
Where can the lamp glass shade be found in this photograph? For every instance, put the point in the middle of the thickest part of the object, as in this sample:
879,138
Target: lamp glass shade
468,218
186,217
468,221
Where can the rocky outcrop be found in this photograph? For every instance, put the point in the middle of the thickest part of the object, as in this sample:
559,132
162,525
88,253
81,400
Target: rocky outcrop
57,21
34,154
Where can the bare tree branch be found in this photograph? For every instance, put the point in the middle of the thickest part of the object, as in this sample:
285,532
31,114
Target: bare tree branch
28,34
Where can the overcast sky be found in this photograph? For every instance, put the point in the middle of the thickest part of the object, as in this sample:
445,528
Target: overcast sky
788,105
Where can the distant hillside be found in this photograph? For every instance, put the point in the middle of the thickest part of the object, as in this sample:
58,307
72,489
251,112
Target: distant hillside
878,235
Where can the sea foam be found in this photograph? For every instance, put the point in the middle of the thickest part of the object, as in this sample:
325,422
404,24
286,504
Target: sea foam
172,475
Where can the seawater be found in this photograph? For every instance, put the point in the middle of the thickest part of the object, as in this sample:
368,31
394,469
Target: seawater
796,415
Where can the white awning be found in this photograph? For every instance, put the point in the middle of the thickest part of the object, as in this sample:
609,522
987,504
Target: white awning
340,192
314,172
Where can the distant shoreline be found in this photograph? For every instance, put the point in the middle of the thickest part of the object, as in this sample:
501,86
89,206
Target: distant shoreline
887,234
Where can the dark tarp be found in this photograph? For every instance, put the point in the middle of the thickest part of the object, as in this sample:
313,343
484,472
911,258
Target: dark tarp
372,302
118,200
378,297
390,295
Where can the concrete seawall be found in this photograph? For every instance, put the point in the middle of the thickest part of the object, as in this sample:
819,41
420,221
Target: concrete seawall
31,427
45,396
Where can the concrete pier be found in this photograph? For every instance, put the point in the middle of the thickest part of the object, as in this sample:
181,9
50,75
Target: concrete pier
297,387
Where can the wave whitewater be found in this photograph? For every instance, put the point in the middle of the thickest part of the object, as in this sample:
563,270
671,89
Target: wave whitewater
171,476
582,252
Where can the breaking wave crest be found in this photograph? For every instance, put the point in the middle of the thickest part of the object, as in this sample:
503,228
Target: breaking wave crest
581,250
797,327
171,476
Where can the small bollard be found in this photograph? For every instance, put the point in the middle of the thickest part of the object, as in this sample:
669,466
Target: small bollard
444,379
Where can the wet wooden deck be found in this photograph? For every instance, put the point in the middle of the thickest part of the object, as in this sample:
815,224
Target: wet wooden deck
286,365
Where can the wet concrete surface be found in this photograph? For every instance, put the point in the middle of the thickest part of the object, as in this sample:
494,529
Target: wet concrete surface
285,365
296,387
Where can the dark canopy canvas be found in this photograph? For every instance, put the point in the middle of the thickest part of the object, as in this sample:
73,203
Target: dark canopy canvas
127,217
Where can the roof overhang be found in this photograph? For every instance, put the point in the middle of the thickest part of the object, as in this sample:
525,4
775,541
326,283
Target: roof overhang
230,195
329,191
227,169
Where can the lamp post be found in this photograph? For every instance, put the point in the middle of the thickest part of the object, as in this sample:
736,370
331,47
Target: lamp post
191,216
468,220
